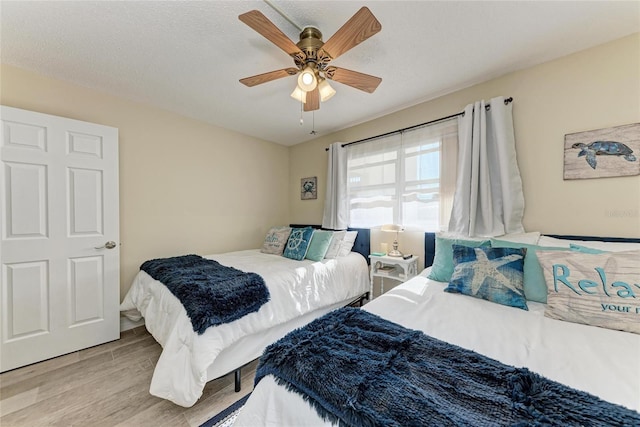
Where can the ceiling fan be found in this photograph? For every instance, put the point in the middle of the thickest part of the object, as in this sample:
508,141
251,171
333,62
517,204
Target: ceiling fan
312,56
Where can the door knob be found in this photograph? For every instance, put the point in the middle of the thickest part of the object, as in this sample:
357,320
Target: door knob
108,245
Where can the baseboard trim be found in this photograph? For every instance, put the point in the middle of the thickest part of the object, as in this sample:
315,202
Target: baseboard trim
126,324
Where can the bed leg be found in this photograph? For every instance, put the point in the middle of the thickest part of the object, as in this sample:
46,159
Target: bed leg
238,378
367,296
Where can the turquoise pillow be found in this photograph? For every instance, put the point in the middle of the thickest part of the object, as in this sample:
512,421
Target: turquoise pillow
298,243
585,250
535,287
493,274
442,267
319,245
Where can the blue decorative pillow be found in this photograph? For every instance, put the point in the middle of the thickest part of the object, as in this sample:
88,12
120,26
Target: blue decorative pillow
493,274
298,243
442,267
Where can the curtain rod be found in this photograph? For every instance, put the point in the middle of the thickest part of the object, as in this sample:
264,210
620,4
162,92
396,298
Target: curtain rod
487,107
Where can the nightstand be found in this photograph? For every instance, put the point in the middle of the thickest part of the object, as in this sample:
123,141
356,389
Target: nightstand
395,268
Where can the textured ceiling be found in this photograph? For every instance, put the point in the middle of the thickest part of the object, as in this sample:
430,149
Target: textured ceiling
187,56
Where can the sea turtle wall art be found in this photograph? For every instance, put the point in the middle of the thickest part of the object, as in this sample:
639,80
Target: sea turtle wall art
601,153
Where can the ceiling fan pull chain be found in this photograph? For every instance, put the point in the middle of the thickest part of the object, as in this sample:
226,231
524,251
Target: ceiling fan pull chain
313,125
301,109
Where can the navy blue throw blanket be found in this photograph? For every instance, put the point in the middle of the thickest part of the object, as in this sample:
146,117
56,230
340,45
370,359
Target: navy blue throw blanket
358,369
211,293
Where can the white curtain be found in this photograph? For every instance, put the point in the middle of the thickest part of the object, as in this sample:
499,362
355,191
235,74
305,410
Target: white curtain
488,200
336,204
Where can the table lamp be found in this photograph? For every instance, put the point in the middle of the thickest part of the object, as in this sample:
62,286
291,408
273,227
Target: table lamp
393,228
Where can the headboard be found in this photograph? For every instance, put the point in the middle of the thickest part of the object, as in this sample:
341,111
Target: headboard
363,241
602,239
429,248
361,245
430,243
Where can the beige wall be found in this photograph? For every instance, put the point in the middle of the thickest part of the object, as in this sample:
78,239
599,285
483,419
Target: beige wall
592,89
185,186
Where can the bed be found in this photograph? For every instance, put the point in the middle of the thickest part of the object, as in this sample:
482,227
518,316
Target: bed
600,361
300,291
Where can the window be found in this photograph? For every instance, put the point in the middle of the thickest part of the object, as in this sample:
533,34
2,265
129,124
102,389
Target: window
407,178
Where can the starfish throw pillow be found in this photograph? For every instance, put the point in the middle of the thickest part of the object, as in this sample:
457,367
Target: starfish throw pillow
493,274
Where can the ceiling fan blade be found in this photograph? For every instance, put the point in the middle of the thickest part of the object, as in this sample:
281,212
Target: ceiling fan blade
360,27
267,77
355,79
256,20
313,100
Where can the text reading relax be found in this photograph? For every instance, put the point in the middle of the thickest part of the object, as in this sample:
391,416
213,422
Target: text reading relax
623,290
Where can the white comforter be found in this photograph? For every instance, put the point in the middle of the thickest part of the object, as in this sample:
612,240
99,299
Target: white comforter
600,361
296,288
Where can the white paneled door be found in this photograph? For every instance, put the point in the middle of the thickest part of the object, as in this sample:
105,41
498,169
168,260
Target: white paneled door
59,252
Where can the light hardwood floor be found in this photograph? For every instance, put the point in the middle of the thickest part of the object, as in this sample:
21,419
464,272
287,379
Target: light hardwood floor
106,385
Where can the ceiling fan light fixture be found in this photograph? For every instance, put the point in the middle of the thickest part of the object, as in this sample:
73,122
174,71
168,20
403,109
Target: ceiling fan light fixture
325,89
299,94
307,80
312,56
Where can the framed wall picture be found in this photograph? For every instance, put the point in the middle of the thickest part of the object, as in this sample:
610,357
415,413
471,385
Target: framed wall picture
602,153
309,188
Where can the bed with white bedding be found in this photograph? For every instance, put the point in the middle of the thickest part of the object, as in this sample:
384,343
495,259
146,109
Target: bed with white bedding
600,361
300,291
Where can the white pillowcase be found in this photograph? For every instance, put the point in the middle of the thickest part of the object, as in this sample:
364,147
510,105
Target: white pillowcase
347,243
592,244
531,238
334,245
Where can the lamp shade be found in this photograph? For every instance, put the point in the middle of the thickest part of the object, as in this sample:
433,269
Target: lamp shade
326,91
307,80
392,228
299,95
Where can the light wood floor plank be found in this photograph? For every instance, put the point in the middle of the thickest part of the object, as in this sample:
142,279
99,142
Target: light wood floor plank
61,406
18,401
106,385
21,374
62,377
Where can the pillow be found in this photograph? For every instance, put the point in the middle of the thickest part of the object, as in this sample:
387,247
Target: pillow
318,245
334,245
442,267
276,240
584,249
592,244
535,287
554,242
493,274
298,243
594,289
347,243
530,238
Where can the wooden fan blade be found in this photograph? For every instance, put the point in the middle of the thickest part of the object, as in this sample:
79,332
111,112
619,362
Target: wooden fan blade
267,77
355,79
360,27
313,100
256,20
